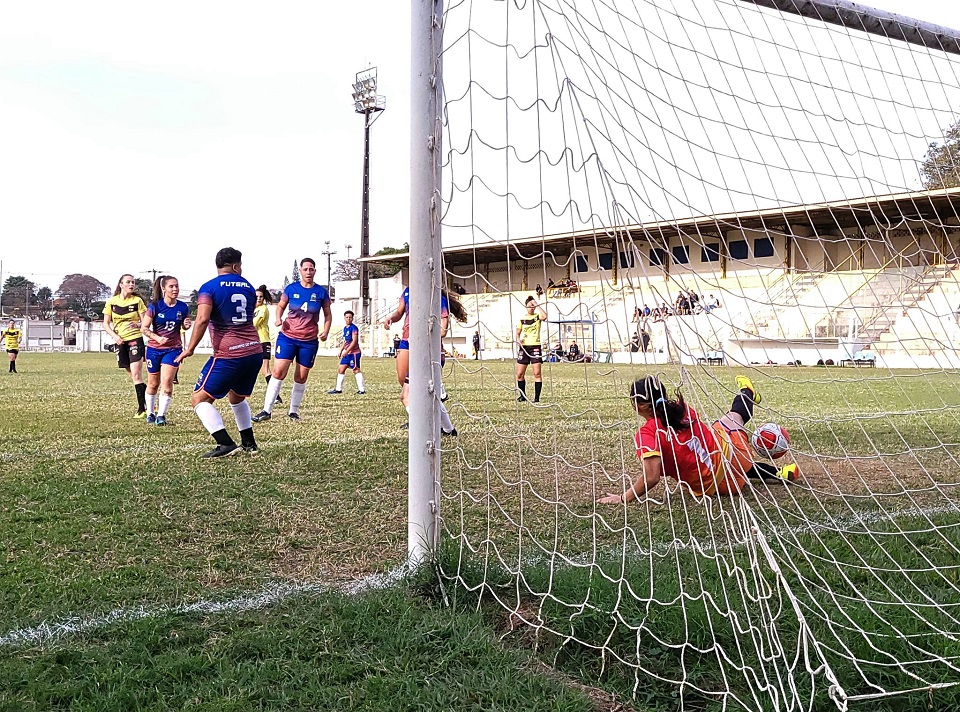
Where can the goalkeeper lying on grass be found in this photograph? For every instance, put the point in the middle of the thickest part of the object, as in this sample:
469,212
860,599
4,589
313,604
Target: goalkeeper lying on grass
674,441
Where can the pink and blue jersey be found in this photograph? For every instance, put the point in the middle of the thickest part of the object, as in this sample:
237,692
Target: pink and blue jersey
232,299
304,306
349,332
168,322
444,311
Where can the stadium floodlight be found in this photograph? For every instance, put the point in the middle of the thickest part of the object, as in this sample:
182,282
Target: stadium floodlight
328,254
366,102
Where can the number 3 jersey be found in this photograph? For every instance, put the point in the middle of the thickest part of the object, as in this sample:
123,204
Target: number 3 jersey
232,300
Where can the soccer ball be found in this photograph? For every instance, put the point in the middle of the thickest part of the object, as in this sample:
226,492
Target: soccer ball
771,440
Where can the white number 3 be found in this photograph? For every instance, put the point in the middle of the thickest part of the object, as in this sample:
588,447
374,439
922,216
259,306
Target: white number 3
241,302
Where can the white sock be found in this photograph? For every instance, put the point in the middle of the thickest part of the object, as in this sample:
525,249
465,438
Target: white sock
273,390
164,404
360,384
241,413
151,401
445,421
209,416
296,396
340,377
443,391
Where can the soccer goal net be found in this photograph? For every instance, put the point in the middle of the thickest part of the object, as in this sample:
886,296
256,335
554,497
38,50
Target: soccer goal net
698,190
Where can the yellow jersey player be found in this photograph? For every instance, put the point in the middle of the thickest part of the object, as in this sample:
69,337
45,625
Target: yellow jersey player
121,320
529,348
12,337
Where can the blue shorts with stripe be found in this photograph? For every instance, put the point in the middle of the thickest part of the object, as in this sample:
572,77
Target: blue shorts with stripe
221,375
162,357
305,352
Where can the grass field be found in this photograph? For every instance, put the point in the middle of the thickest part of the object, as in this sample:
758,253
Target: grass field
105,519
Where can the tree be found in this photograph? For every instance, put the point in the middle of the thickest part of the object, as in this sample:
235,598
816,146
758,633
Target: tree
345,270
144,288
295,277
941,164
82,292
387,268
45,302
17,292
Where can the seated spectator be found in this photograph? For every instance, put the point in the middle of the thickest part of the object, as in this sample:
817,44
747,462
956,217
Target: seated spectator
711,304
573,353
539,291
646,310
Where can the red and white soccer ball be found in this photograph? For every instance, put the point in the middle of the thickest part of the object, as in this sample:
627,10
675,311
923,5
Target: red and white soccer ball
771,440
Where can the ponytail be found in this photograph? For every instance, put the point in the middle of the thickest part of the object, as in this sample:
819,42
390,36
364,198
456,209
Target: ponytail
672,413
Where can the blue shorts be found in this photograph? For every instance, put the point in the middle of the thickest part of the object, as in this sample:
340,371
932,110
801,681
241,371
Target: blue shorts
162,357
221,375
403,345
351,361
305,352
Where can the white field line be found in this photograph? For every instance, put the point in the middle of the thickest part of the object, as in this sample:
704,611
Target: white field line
273,594
270,595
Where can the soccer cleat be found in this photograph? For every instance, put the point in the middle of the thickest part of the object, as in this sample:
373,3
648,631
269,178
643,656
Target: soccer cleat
251,449
452,432
790,473
279,399
405,426
140,414
294,417
744,383
151,419
334,392
161,420
260,417
223,451
521,399
361,393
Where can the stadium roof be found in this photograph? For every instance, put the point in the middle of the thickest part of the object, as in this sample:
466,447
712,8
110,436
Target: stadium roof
887,211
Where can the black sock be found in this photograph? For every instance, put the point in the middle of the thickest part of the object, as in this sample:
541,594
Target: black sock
246,437
522,385
743,404
13,369
762,471
537,387
267,379
223,437
141,395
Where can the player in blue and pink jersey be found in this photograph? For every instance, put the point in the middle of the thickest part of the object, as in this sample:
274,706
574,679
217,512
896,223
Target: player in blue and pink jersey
448,304
349,356
226,304
162,325
298,338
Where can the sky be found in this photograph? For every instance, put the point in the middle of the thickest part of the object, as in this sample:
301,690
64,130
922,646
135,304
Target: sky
138,137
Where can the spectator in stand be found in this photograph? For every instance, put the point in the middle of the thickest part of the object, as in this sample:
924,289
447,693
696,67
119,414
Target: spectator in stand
539,291
573,353
646,310
635,343
711,304
644,340
637,315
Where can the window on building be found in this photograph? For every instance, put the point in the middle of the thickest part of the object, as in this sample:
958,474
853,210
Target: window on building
581,264
763,247
606,260
626,259
710,252
739,250
681,254
658,257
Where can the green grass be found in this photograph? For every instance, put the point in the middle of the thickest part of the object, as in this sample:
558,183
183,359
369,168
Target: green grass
100,513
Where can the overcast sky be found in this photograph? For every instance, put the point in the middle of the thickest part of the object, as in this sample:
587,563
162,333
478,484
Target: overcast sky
136,137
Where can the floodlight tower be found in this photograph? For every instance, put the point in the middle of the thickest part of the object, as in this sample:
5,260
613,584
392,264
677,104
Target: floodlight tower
366,102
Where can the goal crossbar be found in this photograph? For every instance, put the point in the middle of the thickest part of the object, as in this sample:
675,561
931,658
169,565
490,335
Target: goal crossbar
867,19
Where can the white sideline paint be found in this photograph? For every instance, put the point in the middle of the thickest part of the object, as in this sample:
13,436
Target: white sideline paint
267,596
277,593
